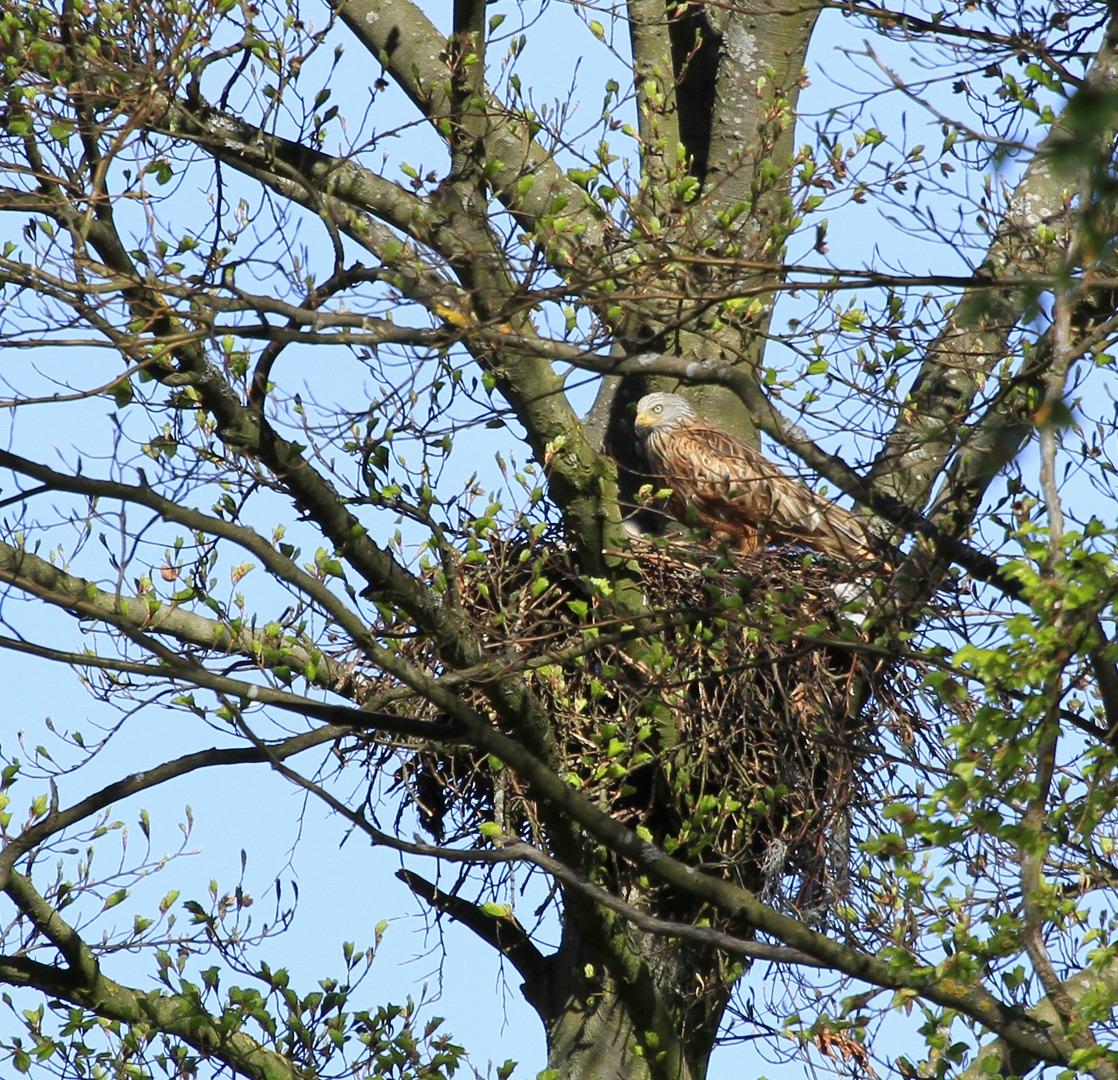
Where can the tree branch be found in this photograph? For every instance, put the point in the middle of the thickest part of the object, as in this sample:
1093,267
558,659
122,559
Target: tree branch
413,53
974,338
80,597
58,820
1000,1058
700,935
179,1015
502,933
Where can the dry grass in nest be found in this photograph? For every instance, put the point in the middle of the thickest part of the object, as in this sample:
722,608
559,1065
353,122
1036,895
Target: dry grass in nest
739,730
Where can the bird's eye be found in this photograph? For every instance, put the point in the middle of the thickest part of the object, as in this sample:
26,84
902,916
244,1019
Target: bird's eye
658,409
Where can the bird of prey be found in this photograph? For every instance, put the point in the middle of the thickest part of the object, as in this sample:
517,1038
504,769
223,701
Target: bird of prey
720,483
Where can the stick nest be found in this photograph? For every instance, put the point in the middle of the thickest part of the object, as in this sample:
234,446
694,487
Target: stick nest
741,727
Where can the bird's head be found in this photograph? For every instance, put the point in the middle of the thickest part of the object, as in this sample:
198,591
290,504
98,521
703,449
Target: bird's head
662,412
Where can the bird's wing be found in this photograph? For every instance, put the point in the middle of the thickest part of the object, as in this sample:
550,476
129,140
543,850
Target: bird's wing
718,466
722,462
717,480
825,525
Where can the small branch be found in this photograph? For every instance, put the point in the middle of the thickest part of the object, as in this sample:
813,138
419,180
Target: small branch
179,1016
278,565
999,1058
56,821
344,717
80,597
1054,381
79,957
478,856
502,933
338,281
907,24
247,148
701,935
1032,861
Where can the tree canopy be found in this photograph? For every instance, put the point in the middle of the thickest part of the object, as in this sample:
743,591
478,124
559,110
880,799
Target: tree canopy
323,329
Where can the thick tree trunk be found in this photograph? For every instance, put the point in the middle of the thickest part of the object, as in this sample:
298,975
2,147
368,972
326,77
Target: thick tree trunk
630,1007
731,109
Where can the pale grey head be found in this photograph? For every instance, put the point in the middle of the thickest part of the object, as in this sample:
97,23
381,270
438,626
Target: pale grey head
662,412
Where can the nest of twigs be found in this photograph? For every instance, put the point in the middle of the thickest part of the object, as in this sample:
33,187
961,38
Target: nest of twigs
739,726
